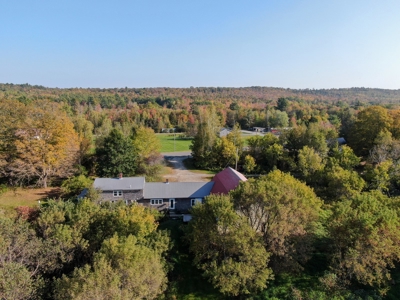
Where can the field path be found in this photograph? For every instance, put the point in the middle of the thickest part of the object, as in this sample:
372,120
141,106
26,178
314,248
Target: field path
179,171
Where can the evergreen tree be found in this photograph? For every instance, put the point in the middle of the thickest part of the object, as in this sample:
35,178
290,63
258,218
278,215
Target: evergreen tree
116,155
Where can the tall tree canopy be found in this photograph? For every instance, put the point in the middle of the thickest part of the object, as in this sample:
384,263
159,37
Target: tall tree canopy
226,248
147,146
122,269
366,238
116,155
207,134
44,144
369,124
284,210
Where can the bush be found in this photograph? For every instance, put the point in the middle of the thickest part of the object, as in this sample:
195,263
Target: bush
73,186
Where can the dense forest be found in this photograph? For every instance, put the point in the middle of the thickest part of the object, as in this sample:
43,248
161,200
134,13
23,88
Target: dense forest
319,218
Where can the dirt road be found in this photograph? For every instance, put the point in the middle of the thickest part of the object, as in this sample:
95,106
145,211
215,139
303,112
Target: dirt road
179,172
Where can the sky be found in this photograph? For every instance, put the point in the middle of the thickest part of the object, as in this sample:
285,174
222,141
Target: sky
170,43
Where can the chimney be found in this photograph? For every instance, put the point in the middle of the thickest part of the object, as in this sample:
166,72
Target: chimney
120,175
166,181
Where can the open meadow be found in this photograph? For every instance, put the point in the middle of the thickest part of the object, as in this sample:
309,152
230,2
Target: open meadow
171,143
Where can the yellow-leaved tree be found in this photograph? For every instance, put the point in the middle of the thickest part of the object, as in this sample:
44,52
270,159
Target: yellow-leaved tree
45,145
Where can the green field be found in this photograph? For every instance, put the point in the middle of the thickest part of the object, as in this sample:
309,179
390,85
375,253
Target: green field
171,144
168,144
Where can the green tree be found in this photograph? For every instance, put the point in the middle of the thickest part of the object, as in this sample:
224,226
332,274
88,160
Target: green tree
226,248
342,183
366,239
75,185
378,177
315,135
147,145
16,282
369,124
309,163
98,282
268,152
278,119
234,106
224,153
235,137
344,157
116,155
282,104
11,116
284,210
84,128
25,258
249,163
205,139
123,269
125,220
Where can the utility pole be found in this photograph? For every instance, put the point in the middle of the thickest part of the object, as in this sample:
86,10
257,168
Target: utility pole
174,139
236,157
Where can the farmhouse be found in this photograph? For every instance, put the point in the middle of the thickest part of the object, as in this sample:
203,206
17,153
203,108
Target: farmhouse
176,197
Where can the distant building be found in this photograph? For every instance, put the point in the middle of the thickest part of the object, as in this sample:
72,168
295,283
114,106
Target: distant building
224,132
168,130
259,129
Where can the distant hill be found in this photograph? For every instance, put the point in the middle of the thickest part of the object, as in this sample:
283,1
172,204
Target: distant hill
198,95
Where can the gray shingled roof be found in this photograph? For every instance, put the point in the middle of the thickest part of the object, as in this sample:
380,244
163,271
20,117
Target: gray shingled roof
154,190
123,184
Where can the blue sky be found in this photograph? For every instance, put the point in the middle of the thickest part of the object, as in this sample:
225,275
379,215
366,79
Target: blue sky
286,43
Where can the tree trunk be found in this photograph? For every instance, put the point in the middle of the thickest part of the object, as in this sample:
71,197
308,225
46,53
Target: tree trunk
45,181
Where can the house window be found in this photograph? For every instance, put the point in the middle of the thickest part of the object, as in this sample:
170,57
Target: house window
117,193
195,201
156,201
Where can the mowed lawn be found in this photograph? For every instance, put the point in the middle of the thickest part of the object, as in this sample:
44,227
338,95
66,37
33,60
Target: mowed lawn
26,197
169,144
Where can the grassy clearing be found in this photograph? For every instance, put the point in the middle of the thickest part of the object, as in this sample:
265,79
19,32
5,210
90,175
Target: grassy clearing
169,144
26,197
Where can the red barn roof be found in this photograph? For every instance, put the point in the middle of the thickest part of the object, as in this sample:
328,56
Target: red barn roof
227,180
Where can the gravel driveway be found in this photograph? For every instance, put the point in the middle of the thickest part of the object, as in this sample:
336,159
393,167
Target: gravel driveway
180,173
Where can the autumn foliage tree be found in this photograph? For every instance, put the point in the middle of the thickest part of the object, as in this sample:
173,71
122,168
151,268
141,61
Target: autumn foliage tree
44,145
